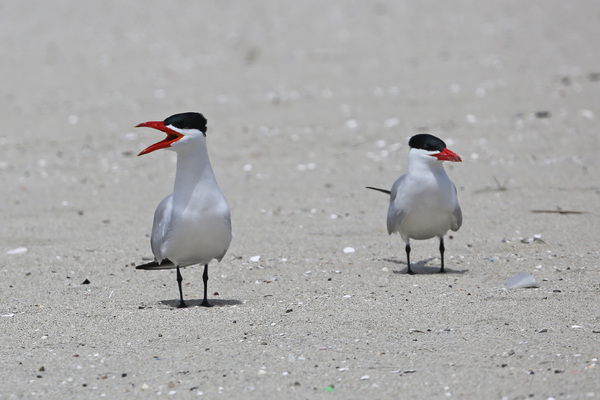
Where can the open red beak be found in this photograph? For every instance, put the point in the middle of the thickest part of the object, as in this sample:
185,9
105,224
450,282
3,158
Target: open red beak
172,136
447,155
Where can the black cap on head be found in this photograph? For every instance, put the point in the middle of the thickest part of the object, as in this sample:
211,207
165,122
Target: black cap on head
425,141
188,120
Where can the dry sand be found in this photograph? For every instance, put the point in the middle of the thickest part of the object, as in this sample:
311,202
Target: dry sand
307,102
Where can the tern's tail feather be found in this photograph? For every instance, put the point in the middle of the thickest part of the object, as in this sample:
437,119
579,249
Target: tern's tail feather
379,190
165,264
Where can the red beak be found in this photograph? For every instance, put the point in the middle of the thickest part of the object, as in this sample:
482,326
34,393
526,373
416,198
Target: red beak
447,155
172,136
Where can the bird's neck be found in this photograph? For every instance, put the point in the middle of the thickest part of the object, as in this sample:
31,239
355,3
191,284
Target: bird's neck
419,166
193,171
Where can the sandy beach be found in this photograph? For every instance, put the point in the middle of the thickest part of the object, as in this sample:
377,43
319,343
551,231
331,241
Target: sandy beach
307,103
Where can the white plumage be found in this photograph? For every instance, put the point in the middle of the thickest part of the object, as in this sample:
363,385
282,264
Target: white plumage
193,224
423,202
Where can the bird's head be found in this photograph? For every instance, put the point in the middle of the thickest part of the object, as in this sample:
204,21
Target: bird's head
431,146
179,128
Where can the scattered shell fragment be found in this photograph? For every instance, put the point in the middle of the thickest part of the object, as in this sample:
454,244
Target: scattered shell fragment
522,280
18,250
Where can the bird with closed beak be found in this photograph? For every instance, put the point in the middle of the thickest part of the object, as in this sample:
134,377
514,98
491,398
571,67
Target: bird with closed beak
423,202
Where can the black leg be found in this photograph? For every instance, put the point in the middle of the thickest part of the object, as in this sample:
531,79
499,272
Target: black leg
442,249
205,279
407,248
179,280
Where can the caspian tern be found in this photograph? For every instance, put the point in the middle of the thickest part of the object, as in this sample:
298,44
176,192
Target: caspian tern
193,224
423,202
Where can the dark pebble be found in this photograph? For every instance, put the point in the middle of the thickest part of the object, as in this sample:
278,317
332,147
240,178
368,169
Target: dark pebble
542,114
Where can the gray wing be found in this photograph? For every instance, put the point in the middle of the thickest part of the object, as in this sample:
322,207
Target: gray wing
160,227
395,212
456,215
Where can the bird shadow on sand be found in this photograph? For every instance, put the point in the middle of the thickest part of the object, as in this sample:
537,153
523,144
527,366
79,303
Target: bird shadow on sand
197,303
421,267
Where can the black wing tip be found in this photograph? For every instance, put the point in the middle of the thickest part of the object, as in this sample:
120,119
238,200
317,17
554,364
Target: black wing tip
379,190
166,263
149,265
